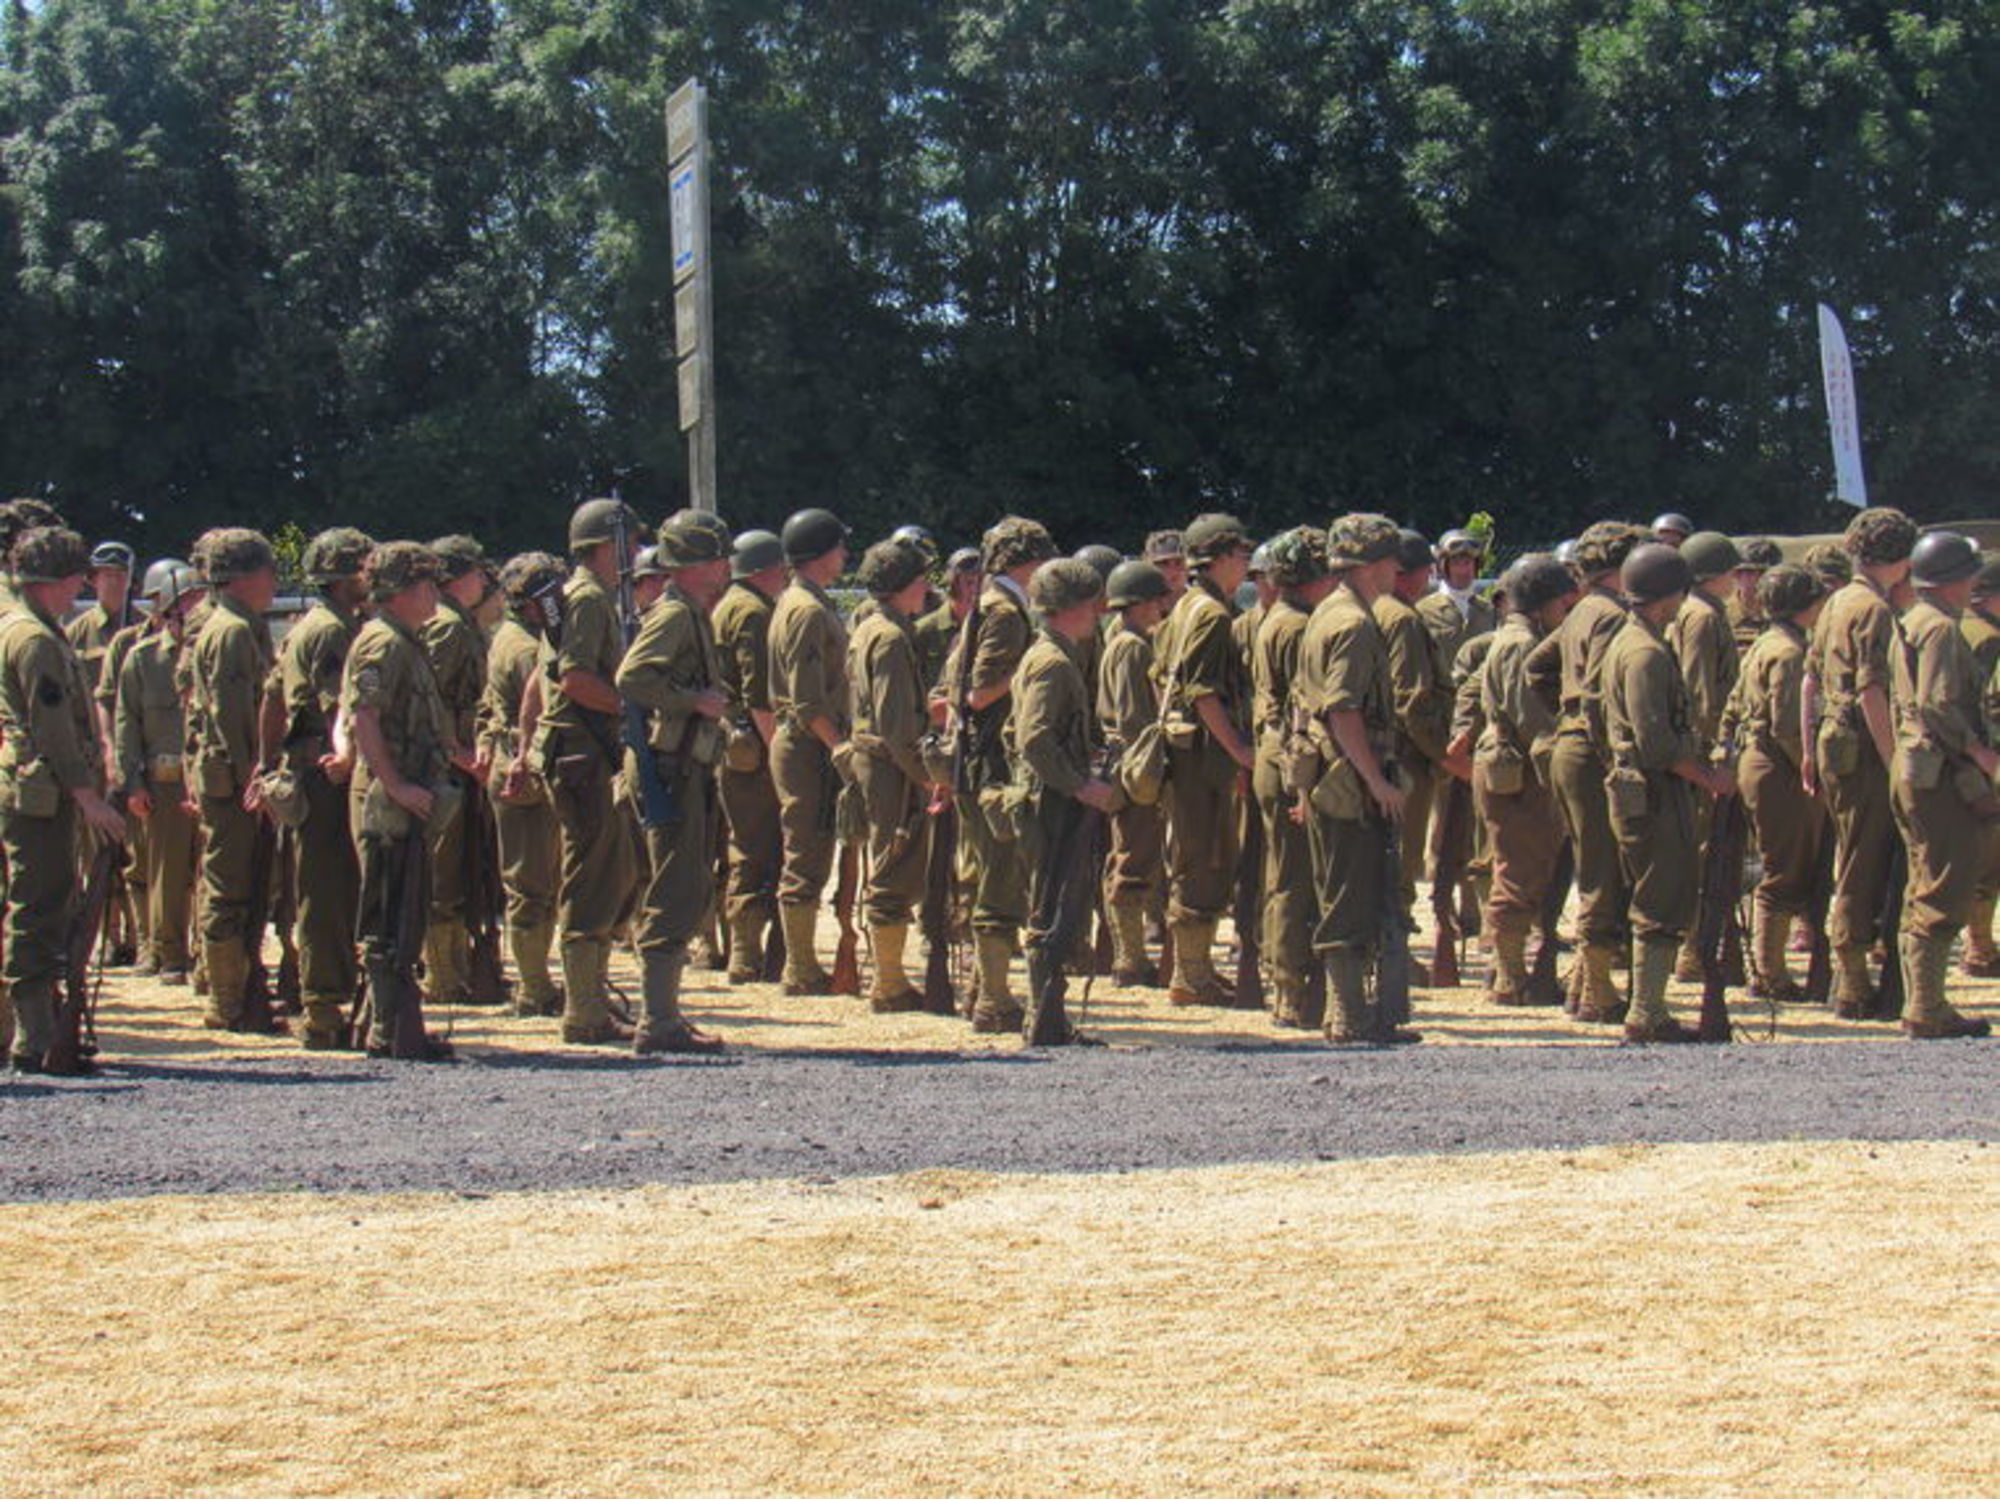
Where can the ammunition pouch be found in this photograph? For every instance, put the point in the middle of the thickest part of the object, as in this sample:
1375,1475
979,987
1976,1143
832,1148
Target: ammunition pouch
1626,791
1502,770
1839,748
742,747
32,789
218,778
285,794
1141,770
1337,794
1921,767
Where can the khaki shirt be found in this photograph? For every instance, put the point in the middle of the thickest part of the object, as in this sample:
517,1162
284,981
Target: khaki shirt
1746,622
1850,649
1706,650
1052,716
808,657
1127,701
672,661
1420,684
889,695
457,648
1514,719
1764,708
90,635
1577,650
593,642
45,705
998,644
510,661
309,670
1449,628
149,724
1206,661
934,633
742,624
1344,668
1984,637
106,680
230,662
1648,716
1468,712
389,671
1274,665
1937,685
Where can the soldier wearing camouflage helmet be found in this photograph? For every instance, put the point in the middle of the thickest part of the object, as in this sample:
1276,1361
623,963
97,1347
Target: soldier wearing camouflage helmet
1941,781
1344,710
810,756
1657,769
980,673
469,600
326,872
230,663
51,781
1205,713
1297,565
149,729
742,621
674,674
1510,793
1128,707
1763,722
400,791
890,719
1567,668
1852,740
524,820
17,518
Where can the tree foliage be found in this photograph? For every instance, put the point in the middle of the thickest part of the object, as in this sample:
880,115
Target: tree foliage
407,260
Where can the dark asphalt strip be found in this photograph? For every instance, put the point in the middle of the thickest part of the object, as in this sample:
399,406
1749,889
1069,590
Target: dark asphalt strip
513,1122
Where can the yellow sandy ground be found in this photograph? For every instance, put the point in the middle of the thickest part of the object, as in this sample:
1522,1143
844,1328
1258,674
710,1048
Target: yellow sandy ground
144,1020
1785,1319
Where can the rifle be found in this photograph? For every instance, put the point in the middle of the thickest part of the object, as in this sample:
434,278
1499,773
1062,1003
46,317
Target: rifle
486,981
285,917
940,895
407,1041
260,1016
1544,983
1721,884
1246,915
1450,848
75,1040
1819,967
1889,990
1061,918
847,955
1392,960
659,804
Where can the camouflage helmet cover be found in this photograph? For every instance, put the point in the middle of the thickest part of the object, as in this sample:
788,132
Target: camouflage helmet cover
48,554
1362,538
234,552
891,565
1880,536
688,538
530,574
1298,557
1064,584
399,565
1016,541
340,552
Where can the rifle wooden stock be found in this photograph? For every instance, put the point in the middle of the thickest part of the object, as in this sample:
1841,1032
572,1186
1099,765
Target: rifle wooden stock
260,1015
1819,967
1392,958
1889,988
847,954
74,1043
285,917
1447,873
486,978
1246,915
940,896
1721,881
413,902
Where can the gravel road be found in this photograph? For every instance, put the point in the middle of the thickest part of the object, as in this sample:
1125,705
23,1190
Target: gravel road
514,1123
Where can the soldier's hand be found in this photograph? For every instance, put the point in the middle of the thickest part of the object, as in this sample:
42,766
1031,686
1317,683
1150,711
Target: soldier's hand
339,769
1097,793
514,784
1300,810
1458,762
141,803
1389,799
711,702
99,814
253,795
412,798
1809,776
1721,781
465,760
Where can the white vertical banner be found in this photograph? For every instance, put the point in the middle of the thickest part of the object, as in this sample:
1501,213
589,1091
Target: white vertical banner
694,308
1843,417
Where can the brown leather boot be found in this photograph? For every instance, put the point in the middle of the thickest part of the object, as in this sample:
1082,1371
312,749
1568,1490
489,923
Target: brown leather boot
1927,1014
1772,978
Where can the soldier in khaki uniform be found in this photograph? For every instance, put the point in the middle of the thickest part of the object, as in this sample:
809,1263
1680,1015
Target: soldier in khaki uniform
50,778
1421,683
1847,714
1509,782
1205,708
524,818
1296,563
1455,611
578,749
890,719
469,599
809,750
1052,750
1566,668
1127,705
149,731
1745,603
1762,723
1941,781
936,630
749,798
324,867
674,673
229,667
400,789
1980,625
980,679
1656,770
1705,645
1102,560
101,635
1343,703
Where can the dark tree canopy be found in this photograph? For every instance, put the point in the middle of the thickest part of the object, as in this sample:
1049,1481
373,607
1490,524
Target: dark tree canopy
406,261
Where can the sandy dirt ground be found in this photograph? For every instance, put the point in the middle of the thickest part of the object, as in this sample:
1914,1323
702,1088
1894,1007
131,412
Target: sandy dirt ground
1786,1319
140,1019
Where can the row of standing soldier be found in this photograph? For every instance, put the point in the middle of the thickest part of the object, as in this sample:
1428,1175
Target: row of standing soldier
1280,764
